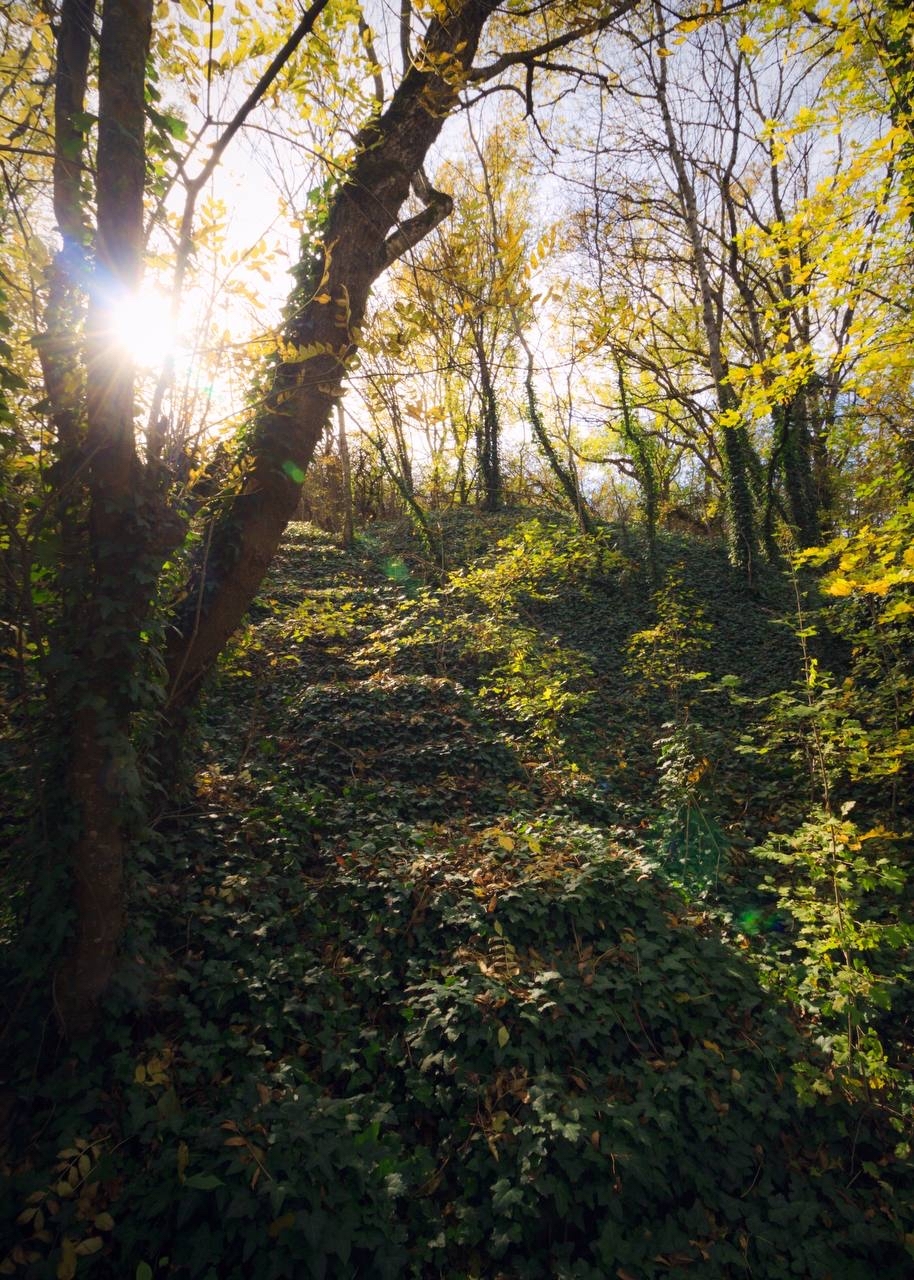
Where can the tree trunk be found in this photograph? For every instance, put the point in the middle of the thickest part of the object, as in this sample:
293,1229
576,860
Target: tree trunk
565,476
357,244
59,346
129,532
797,467
645,472
487,436
820,419
345,478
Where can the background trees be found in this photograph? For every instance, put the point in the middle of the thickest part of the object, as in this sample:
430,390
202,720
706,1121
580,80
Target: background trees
728,275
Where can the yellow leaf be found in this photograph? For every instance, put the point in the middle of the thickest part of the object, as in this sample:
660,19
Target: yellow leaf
504,1035
878,587
839,587
104,1222
66,1268
699,771
506,842
87,1247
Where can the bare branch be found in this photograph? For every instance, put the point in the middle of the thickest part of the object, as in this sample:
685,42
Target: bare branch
438,206
529,57
367,37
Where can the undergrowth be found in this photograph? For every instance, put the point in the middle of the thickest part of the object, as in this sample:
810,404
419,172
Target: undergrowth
494,943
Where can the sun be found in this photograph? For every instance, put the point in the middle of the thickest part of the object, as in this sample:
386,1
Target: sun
143,327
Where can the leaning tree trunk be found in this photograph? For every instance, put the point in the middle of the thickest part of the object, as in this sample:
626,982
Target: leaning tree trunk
359,240
566,476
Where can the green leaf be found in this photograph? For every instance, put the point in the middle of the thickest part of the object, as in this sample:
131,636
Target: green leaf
204,1182
175,126
82,121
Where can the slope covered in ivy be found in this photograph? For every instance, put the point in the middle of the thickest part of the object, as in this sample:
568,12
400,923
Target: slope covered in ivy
451,968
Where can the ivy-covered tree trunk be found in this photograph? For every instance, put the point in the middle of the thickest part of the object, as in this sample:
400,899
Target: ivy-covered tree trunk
488,432
126,528
820,401
743,537
358,241
794,447
644,470
566,476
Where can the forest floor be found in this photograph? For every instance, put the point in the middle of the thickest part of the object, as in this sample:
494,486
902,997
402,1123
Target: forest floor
462,961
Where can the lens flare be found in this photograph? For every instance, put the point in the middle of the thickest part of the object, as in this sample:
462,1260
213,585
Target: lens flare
143,328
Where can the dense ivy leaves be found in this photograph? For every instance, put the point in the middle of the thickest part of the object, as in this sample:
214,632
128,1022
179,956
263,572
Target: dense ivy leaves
403,730
459,1052
460,963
